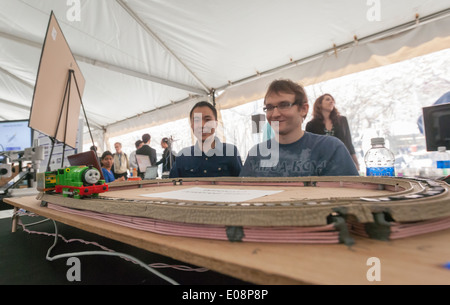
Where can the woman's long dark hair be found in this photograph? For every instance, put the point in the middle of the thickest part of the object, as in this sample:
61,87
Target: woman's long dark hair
317,110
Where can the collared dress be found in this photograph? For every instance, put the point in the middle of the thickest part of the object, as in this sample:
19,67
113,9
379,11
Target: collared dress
220,161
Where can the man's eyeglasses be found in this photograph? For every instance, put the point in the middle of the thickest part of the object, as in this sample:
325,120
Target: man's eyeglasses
283,106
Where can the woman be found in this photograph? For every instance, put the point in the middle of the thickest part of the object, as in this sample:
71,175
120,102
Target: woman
209,157
107,161
166,161
328,121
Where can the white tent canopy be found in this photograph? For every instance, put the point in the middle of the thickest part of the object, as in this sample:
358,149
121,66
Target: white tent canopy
146,62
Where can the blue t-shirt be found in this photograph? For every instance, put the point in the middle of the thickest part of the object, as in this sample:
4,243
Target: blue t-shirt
311,155
109,176
221,161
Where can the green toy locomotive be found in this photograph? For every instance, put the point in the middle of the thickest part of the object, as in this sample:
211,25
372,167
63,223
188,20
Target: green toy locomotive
72,181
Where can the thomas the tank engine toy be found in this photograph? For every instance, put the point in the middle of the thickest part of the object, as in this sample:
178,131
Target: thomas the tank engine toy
72,181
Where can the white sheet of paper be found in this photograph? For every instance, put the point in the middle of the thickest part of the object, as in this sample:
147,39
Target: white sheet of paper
212,194
143,162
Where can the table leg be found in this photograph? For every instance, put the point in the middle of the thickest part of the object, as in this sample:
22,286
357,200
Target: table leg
15,219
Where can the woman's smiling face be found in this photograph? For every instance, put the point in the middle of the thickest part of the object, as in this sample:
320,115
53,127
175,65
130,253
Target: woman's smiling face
107,161
203,123
328,103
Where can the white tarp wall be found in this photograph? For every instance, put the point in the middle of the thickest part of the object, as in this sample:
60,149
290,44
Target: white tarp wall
387,48
381,102
146,60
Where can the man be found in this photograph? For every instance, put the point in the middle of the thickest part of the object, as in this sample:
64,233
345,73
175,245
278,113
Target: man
120,162
294,152
209,157
147,150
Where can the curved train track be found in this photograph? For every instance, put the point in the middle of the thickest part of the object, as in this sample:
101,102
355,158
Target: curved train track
406,199
335,200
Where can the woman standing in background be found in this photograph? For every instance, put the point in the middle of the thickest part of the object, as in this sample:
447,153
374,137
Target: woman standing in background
328,121
107,160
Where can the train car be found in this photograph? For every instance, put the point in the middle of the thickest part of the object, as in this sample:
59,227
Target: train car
72,181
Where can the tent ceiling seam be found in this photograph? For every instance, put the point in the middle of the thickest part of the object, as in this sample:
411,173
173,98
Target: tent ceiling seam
4,71
366,39
335,49
14,104
111,67
153,110
140,75
156,37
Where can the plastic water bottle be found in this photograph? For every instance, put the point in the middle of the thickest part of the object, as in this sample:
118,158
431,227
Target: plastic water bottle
379,160
442,160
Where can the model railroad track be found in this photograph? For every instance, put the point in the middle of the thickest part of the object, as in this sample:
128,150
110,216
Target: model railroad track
392,208
408,199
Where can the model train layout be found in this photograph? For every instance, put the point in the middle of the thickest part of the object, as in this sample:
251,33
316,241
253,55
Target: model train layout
301,209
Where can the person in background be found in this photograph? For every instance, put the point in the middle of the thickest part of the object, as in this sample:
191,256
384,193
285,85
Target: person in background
133,160
95,150
120,162
147,150
294,152
166,161
328,121
209,157
107,161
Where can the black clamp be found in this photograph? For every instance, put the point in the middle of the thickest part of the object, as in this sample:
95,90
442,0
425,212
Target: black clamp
338,219
381,227
235,233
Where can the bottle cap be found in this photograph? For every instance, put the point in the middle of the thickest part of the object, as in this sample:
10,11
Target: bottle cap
377,141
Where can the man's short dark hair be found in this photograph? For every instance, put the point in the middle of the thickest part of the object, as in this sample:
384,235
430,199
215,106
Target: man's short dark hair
137,143
204,104
146,137
290,87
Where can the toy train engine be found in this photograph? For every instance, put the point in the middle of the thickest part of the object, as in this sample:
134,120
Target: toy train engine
73,181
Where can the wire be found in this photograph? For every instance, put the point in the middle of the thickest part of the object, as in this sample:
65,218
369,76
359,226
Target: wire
178,267
107,252
154,265
122,255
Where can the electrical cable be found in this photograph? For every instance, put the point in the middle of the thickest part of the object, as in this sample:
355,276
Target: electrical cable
122,255
106,253
153,265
